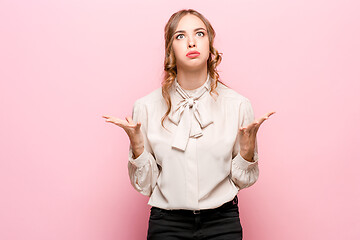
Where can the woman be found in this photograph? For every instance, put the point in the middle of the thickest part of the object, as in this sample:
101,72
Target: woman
192,141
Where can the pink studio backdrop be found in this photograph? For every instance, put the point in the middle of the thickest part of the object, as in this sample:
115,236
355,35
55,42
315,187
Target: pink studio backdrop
66,63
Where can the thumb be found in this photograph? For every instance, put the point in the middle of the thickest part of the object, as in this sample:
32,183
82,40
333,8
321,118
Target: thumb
138,125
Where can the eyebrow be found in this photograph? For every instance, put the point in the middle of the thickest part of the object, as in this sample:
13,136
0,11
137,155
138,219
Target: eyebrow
196,29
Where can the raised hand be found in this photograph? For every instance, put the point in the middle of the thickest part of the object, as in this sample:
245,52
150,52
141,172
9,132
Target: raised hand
133,131
248,135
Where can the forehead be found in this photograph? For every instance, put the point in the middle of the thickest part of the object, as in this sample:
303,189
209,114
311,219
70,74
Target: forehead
190,22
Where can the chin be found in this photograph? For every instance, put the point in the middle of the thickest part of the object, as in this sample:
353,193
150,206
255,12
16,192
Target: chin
194,67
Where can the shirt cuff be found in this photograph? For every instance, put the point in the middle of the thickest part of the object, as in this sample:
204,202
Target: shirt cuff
242,163
141,160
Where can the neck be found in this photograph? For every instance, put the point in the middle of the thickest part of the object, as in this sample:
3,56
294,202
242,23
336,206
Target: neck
190,80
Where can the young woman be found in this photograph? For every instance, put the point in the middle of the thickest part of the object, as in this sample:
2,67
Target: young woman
193,141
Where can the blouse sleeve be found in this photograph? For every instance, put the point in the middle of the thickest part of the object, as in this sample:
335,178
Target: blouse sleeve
143,170
244,173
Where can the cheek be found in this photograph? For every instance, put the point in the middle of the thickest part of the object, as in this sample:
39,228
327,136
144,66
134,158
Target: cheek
205,45
206,49
177,50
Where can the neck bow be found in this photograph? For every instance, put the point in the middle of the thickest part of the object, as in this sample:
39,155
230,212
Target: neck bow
190,115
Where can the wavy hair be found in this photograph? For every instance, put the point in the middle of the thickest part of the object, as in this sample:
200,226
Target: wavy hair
170,70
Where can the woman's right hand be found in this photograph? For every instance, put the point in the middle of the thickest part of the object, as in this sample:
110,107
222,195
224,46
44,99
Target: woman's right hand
133,131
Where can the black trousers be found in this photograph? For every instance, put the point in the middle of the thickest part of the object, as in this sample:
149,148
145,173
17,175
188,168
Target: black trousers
210,224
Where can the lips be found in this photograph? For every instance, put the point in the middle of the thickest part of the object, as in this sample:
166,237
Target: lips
193,54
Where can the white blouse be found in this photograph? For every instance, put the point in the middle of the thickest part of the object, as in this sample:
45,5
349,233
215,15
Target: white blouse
194,163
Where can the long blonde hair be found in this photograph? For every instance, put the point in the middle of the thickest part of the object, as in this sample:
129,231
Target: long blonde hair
170,70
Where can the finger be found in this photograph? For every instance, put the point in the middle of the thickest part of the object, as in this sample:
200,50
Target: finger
108,118
241,130
120,122
265,117
257,128
251,127
261,120
138,125
254,126
132,124
248,129
270,113
111,120
130,120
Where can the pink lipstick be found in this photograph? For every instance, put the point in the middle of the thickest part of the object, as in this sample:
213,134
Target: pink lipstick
193,54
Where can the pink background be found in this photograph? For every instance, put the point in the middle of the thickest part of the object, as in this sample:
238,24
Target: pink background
66,63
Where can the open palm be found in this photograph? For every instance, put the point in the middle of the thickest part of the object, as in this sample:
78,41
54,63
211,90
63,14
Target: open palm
248,136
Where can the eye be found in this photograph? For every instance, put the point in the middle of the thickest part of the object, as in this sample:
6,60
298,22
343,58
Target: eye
177,37
201,34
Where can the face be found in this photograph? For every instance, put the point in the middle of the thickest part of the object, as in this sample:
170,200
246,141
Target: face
191,35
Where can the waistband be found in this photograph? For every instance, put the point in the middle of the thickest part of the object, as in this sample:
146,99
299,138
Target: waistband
201,211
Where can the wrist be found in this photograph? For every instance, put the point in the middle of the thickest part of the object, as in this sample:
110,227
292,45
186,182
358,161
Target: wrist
137,151
248,156
136,144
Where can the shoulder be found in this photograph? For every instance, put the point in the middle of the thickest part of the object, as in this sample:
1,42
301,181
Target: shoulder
153,98
228,94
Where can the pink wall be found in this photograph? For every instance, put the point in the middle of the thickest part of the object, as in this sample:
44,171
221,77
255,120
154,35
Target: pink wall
63,169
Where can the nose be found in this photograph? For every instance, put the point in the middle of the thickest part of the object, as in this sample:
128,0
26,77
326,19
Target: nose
191,43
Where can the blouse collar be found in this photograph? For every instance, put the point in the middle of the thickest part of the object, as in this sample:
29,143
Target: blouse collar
190,114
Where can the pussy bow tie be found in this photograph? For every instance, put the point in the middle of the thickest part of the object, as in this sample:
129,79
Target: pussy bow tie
190,116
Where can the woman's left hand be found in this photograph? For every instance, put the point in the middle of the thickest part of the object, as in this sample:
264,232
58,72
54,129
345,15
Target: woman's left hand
248,135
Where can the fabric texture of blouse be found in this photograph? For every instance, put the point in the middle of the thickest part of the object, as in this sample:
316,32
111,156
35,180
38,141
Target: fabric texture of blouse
194,163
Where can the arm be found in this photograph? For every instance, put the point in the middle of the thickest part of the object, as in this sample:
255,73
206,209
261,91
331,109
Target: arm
143,169
244,173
